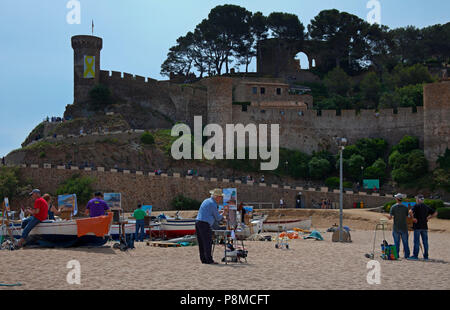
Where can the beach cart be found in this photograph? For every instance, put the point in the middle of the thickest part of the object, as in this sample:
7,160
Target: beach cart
233,252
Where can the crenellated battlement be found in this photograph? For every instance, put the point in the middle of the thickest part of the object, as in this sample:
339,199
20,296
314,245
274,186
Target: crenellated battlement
290,114
106,75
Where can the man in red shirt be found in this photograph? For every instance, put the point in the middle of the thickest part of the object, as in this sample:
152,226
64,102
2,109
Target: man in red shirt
38,214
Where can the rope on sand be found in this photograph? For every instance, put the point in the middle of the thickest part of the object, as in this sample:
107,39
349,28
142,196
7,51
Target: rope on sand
17,284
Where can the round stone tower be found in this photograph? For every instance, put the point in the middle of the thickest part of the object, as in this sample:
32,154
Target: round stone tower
86,65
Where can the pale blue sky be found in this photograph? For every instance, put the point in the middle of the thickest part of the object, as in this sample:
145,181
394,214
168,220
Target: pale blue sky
36,57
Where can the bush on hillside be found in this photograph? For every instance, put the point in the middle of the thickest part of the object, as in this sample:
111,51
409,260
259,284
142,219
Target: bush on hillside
443,213
181,202
332,182
147,138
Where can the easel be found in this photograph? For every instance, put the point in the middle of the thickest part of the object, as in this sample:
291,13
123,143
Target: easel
6,222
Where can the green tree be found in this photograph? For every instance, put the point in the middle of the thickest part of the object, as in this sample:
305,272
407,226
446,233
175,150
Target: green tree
181,202
371,88
343,38
81,186
318,167
376,171
354,166
406,145
286,26
9,182
371,149
338,82
412,75
396,160
417,163
407,45
442,179
401,176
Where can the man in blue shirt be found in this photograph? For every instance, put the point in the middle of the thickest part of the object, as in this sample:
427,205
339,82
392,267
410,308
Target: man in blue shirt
207,215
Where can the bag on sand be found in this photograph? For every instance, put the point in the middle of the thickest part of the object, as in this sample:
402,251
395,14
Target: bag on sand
388,251
346,237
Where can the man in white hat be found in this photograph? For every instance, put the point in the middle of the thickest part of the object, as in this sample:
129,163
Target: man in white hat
207,215
400,214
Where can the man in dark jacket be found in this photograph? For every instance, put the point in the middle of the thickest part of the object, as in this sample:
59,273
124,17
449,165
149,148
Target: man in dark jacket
421,214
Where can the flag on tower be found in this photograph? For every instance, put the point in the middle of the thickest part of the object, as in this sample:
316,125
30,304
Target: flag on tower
92,27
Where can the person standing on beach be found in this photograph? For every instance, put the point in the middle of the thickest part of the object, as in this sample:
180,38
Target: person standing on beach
400,230
96,206
139,215
38,214
207,215
421,214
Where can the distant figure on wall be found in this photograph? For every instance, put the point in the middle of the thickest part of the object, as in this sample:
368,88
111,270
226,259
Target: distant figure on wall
281,203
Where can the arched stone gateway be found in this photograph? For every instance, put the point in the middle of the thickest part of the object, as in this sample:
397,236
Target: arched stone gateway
278,58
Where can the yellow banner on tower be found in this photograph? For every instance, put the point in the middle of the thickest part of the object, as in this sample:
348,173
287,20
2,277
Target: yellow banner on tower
89,67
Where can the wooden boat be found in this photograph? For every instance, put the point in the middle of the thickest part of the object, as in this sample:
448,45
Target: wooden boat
255,227
281,225
172,228
72,233
130,228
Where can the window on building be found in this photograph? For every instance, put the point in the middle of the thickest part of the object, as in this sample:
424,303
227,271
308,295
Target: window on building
254,90
278,91
263,90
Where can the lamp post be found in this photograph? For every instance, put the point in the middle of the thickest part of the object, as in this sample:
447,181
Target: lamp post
341,143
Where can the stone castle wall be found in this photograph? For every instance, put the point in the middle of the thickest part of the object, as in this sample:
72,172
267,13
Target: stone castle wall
160,190
178,102
307,132
436,120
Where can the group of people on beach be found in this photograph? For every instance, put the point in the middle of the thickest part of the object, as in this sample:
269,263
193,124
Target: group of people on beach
420,214
43,210
208,214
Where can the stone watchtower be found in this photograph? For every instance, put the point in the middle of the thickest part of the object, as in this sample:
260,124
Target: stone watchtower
436,104
220,100
86,65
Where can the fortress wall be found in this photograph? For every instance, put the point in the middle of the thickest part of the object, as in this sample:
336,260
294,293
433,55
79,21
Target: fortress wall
310,132
437,120
179,102
159,191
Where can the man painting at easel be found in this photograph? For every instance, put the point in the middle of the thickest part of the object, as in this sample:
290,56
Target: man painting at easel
38,214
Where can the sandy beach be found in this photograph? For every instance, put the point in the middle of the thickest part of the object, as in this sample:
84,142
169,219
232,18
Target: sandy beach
308,264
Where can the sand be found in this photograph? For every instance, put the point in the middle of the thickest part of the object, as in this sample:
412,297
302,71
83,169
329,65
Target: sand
308,264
